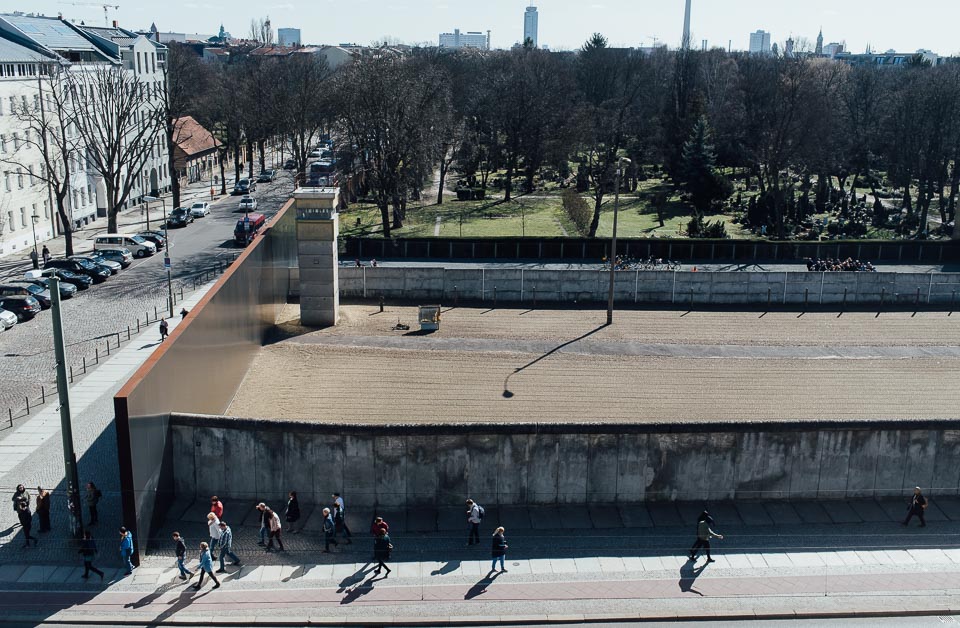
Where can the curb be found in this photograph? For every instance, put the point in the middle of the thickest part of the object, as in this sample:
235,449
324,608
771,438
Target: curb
494,620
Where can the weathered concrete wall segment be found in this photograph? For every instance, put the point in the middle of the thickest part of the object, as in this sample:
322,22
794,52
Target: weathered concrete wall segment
556,464
649,287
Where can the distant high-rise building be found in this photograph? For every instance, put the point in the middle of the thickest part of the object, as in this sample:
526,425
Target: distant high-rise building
760,43
530,25
470,39
788,50
832,49
289,37
685,42
819,48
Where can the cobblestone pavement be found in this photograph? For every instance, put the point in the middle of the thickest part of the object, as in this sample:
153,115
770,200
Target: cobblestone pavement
93,317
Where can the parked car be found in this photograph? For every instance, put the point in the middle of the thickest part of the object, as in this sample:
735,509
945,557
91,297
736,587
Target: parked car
79,281
7,320
180,217
24,306
159,240
267,176
248,203
314,154
289,164
112,267
137,245
244,186
67,290
95,272
41,295
200,209
120,256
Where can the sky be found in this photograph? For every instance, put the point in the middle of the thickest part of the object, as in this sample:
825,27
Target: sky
564,24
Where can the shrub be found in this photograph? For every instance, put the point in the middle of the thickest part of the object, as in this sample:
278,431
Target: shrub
577,210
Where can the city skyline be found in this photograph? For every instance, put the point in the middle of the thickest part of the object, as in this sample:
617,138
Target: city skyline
563,24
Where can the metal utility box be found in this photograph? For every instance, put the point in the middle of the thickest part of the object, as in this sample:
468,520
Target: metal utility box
429,317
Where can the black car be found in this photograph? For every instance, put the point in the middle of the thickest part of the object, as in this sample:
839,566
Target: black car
25,307
244,186
180,217
77,280
95,272
41,295
112,267
267,176
289,164
156,237
67,290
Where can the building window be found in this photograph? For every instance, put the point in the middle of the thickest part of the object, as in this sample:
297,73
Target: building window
138,63
30,176
83,197
153,61
16,141
3,143
34,212
6,178
20,179
90,192
46,210
13,104
23,217
13,226
23,101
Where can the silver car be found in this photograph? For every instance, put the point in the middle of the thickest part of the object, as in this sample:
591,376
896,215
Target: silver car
7,319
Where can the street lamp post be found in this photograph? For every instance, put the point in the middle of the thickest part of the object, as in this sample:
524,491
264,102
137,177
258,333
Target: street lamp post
63,394
166,256
34,219
613,240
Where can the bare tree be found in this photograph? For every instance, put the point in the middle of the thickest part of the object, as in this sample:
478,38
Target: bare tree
303,105
120,128
184,83
49,135
261,30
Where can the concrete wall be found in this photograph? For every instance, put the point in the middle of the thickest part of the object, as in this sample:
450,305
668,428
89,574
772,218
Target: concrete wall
199,368
557,464
649,287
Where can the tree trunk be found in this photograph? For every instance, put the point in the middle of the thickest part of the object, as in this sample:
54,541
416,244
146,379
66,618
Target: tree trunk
223,174
397,212
263,158
237,164
595,221
174,179
250,157
443,176
509,183
66,224
954,182
384,217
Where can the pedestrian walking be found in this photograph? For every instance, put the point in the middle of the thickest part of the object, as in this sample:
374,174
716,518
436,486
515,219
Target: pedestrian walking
206,566
213,526
381,552
498,551
273,521
26,520
126,548
378,526
35,259
45,253
43,509
92,498
88,549
216,507
164,328
917,506
226,548
704,534
181,549
264,523
474,517
340,518
292,512
18,496
329,530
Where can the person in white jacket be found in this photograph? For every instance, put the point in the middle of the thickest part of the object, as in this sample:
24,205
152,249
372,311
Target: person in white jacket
213,524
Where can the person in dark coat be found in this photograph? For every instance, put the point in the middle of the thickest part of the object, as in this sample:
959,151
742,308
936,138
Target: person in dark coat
88,549
26,520
18,496
43,509
704,534
381,552
93,498
292,512
498,551
918,504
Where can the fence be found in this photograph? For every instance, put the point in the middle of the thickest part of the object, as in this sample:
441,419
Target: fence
593,249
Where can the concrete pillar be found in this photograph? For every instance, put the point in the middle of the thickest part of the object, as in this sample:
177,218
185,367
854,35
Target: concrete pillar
318,226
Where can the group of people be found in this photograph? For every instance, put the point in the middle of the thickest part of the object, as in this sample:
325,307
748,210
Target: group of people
21,505
836,265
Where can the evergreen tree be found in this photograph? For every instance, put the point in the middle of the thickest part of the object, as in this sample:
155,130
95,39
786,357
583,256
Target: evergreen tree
703,184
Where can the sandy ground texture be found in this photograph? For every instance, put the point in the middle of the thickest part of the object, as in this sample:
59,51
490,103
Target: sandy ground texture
564,366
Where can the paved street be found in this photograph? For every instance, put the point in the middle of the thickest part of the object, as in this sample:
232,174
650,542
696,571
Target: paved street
92,317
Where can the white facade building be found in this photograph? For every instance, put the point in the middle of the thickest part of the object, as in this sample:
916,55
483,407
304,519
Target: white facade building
470,39
760,43
530,25
289,37
29,47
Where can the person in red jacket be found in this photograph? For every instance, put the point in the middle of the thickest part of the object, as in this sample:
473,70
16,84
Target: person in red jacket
216,507
378,526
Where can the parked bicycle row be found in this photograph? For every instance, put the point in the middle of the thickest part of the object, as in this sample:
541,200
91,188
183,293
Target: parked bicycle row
650,263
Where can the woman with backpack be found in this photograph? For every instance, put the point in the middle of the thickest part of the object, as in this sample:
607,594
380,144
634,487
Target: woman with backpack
381,552
474,517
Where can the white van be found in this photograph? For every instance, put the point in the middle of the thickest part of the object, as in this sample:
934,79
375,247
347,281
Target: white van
140,247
